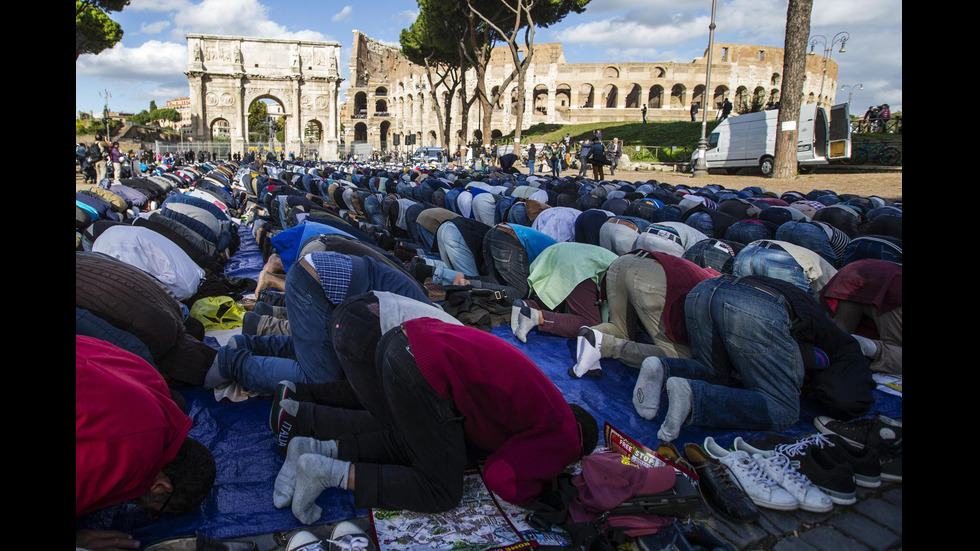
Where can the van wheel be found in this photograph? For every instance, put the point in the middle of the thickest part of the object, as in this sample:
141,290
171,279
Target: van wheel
767,165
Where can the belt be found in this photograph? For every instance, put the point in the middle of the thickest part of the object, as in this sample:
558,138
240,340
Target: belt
309,268
778,297
622,222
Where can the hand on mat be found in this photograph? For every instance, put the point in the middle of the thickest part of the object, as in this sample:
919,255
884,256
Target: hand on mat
105,540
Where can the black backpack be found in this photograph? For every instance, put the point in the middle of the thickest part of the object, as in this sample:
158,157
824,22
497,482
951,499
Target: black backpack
94,153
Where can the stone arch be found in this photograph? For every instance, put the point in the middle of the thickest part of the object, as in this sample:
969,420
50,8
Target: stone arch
610,95
312,136
658,72
219,128
697,96
360,132
809,98
360,105
774,80
478,136
539,99
678,96
773,97
741,97
380,106
513,100
563,96
433,139
268,99
759,95
383,130
494,91
610,72
380,91
586,95
633,97
656,100
719,96
496,134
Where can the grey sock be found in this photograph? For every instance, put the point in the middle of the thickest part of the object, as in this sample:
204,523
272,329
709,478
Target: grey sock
214,377
315,473
678,410
526,318
868,347
588,351
649,386
285,486
291,406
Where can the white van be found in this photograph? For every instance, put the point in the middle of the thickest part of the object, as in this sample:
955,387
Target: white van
750,140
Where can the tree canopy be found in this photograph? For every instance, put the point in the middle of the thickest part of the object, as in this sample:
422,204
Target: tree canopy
94,30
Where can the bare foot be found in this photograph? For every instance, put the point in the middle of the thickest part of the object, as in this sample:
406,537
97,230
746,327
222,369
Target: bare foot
460,279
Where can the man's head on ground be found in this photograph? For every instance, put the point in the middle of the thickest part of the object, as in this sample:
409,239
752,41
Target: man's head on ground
588,428
183,483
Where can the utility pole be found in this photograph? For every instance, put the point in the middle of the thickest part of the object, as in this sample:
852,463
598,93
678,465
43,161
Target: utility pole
105,112
701,165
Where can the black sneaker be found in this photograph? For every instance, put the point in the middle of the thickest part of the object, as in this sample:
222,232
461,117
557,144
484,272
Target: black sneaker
718,487
864,462
864,433
891,462
835,479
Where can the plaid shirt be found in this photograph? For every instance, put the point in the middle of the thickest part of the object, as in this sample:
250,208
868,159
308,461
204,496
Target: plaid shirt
334,271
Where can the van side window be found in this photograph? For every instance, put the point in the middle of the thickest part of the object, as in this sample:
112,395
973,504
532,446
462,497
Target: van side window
713,140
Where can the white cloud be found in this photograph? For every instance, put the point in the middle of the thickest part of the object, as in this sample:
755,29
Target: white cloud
619,32
153,61
407,16
343,14
233,18
154,28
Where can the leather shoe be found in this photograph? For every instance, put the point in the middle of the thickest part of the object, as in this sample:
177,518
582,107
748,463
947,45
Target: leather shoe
718,489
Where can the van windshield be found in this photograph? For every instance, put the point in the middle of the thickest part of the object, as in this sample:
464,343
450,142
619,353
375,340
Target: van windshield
713,140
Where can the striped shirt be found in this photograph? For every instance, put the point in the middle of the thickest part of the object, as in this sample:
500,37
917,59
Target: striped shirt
334,271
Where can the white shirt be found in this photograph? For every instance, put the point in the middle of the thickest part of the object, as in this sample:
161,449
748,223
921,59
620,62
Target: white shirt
154,254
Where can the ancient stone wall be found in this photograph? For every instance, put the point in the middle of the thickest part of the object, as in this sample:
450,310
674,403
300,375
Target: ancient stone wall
390,97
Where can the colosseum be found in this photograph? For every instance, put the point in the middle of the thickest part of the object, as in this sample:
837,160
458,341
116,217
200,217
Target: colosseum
389,101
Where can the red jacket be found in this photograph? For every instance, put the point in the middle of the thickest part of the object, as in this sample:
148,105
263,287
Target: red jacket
127,427
510,407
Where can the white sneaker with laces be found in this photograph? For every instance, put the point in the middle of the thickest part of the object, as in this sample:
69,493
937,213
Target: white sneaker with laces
759,486
778,467
346,536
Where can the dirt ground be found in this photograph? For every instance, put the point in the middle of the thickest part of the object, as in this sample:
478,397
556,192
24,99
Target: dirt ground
887,185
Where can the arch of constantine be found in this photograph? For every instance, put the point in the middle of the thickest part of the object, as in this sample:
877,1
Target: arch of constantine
227,74
389,100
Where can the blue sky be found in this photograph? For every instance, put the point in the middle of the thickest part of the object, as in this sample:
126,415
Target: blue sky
149,62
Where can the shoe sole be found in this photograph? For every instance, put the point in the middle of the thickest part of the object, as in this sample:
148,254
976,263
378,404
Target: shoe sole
868,481
839,498
891,477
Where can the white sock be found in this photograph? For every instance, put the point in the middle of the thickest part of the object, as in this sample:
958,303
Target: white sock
315,473
868,347
587,351
522,319
649,385
285,486
678,410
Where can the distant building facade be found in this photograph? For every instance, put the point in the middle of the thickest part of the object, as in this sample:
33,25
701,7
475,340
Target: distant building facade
389,100
183,107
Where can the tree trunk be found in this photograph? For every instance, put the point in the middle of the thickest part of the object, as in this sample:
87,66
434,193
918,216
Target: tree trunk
791,92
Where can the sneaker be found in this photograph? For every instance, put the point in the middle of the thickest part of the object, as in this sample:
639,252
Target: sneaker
304,541
760,487
864,433
778,467
891,462
285,389
522,319
346,536
718,487
865,463
835,479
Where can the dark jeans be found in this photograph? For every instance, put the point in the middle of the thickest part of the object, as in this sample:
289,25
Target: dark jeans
508,260
417,462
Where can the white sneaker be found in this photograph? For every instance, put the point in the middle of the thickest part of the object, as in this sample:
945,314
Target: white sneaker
304,541
778,467
761,489
346,536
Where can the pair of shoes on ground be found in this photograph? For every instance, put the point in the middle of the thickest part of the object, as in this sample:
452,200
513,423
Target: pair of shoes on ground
346,536
717,487
769,479
879,433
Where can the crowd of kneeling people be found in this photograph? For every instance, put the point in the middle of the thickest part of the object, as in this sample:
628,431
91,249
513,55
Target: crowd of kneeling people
732,302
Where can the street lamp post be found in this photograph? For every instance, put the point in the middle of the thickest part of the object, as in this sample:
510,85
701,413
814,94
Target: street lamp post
841,37
701,165
105,112
850,90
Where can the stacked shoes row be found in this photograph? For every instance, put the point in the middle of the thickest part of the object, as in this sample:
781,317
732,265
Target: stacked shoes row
810,473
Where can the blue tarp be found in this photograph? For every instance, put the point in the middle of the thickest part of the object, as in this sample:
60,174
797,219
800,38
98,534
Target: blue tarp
239,436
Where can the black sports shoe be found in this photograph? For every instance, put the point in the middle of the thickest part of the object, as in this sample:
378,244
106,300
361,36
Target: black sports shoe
835,479
864,462
891,462
865,433
718,487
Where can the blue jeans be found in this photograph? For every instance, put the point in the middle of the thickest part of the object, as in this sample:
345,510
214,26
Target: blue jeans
556,167
810,236
747,231
454,252
712,253
530,166
866,247
775,263
747,371
507,259
305,356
